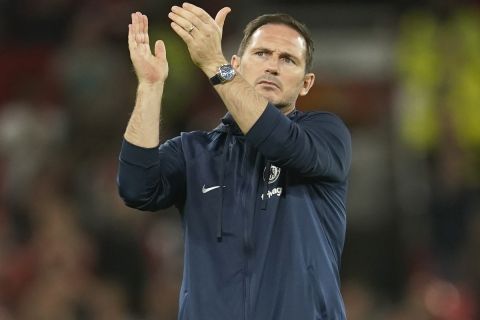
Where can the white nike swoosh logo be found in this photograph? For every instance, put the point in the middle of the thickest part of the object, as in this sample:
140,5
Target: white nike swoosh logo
205,190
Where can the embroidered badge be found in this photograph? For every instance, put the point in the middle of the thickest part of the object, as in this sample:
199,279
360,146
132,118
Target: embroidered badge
272,175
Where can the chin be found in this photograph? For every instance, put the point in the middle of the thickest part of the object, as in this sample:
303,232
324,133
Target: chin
281,106
272,98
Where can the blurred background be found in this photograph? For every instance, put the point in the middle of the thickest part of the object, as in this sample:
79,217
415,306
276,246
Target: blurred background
404,76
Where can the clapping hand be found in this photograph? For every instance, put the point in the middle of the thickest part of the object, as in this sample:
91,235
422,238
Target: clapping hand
201,33
150,69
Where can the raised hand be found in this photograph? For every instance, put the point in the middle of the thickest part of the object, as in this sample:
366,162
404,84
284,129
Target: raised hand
201,33
150,69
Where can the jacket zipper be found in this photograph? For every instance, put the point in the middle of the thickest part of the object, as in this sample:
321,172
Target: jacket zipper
247,240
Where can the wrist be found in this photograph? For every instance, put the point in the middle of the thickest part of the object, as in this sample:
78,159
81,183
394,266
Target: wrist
150,86
211,68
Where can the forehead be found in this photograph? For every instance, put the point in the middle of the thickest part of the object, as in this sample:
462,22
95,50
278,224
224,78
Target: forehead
278,37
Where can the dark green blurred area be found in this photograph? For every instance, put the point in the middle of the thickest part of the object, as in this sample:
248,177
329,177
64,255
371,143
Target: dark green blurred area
404,75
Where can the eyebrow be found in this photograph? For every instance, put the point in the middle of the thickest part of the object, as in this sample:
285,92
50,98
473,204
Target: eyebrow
282,54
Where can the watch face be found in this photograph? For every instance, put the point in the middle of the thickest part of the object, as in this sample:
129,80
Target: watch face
227,72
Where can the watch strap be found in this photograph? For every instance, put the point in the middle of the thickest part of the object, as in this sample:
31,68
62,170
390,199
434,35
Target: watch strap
216,79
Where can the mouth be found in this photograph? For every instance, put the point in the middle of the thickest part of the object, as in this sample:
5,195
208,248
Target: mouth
269,83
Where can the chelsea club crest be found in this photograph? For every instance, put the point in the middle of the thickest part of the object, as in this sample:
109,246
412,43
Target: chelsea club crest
272,175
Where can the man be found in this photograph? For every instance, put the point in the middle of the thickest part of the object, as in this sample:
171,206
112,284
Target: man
262,196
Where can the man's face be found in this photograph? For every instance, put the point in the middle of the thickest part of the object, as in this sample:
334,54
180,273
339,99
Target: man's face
274,64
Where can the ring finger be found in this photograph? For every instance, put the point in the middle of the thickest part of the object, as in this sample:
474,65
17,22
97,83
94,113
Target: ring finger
182,22
188,16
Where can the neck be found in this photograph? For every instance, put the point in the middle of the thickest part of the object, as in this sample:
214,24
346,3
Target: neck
287,110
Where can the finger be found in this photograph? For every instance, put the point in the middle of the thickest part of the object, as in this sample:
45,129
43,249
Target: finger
132,32
187,15
132,44
132,15
141,27
186,37
145,37
140,22
160,51
184,23
145,24
221,16
135,27
135,24
131,28
197,11
142,36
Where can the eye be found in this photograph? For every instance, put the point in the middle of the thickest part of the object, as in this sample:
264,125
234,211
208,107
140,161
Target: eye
288,60
260,53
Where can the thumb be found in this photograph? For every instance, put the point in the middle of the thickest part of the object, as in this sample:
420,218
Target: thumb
221,15
160,51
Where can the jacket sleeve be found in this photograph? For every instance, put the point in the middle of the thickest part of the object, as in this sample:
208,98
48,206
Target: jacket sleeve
151,178
317,146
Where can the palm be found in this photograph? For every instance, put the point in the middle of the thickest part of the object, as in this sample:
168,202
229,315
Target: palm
148,67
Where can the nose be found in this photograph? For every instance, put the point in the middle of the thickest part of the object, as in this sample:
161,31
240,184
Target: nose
271,66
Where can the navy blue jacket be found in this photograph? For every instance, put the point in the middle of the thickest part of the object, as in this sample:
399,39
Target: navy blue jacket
263,214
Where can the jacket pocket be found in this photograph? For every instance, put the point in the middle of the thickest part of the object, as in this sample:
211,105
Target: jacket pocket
182,314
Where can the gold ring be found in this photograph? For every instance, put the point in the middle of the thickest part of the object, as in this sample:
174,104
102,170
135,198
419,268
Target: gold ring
191,29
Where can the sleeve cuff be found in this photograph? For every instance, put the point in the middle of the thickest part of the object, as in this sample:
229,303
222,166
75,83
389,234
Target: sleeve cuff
268,122
138,156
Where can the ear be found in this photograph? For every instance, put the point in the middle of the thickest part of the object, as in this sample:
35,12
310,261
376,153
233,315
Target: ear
308,81
235,62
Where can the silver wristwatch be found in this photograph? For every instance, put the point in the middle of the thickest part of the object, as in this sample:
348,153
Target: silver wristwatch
225,73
